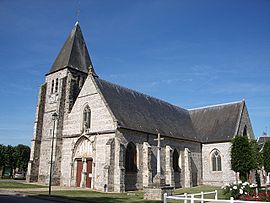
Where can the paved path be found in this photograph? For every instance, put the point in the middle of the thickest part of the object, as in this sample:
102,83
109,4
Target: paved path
34,199
22,199
23,195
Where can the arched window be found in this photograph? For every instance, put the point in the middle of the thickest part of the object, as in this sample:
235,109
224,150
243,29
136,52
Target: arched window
245,131
52,87
131,158
86,118
56,85
175,160
216,160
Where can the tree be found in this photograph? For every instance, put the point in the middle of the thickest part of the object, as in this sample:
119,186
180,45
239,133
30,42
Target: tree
21,156
14,157
2,155
9,157
257,157
241,157
266,156
257,160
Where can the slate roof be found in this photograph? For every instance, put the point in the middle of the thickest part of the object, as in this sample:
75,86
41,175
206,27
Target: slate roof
138,111
217,123
74,53
262,140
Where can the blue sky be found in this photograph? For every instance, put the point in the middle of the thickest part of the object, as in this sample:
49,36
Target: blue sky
189,53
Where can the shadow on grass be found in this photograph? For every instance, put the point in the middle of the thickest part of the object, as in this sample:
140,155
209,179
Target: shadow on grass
99,199
17,185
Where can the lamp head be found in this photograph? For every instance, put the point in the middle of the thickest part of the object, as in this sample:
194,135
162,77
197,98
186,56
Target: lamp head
54,116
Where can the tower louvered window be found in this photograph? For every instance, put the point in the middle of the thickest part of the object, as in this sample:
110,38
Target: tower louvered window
56,85
52,87
78,80
216,161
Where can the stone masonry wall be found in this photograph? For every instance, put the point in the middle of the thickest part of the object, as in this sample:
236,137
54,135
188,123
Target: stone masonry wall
101,159
101,117
33,165
217,178
53,102
245,121
103,145
139,138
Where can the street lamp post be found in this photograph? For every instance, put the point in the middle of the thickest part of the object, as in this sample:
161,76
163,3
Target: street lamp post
54,118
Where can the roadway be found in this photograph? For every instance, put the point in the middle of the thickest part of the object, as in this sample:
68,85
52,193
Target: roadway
23,199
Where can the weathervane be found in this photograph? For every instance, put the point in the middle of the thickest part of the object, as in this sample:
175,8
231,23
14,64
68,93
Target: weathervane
78,11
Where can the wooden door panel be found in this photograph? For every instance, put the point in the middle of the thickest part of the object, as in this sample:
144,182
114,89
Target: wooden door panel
79,172
89,172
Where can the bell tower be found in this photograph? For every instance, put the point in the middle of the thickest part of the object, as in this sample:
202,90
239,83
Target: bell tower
58,94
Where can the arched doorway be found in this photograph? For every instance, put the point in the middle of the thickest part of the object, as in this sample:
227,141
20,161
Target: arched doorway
83,153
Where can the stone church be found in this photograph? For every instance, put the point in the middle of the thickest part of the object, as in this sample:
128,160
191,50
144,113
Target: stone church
104,134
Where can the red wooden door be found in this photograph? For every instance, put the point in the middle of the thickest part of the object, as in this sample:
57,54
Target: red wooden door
89,173
79,172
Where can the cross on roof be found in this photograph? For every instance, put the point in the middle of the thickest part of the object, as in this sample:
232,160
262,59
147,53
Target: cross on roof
158,139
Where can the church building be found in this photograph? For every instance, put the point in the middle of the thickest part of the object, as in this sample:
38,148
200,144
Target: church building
104,136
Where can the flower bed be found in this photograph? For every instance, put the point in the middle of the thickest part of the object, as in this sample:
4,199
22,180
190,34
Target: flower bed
236,190
245,191
260,196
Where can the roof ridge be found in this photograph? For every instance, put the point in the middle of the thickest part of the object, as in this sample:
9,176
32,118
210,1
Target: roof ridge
72,44
216,105
143,94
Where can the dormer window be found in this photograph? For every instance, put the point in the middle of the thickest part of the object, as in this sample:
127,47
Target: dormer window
86,118
52,87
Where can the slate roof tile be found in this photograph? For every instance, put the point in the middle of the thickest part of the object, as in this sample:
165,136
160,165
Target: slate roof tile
74,54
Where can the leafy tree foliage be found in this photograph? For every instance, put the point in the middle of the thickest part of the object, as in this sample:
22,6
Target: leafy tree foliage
22,155
241,156
257,157
15,157
266,156
257,160
9,157
2,155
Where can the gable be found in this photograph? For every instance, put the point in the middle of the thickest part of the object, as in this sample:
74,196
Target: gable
245,123
217,123
101,118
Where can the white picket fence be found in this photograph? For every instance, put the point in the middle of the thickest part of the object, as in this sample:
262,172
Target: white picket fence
192,198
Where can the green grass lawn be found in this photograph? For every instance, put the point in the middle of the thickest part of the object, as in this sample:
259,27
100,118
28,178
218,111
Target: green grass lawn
92,196
7,184
127,197
201,188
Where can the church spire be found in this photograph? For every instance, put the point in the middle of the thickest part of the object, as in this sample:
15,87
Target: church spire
74,54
